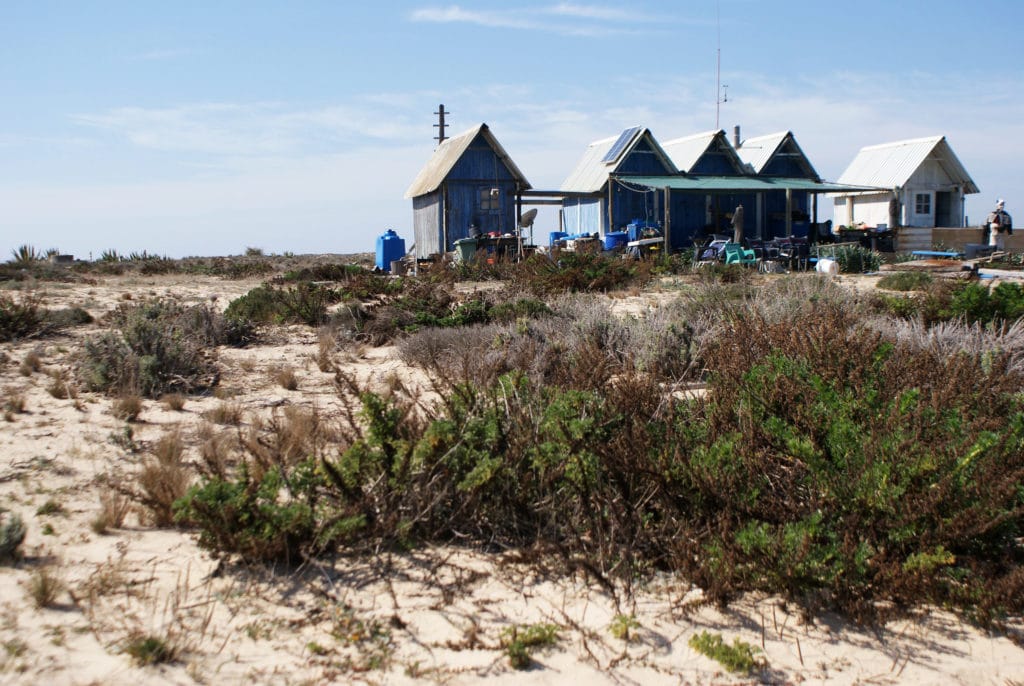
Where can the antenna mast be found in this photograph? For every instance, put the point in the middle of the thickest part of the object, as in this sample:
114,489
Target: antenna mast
440,125
721,91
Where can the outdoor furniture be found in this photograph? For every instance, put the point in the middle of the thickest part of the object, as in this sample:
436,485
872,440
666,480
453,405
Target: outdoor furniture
737,254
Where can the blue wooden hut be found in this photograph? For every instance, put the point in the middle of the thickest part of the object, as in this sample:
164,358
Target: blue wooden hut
785,212
470,181
695,215
598,196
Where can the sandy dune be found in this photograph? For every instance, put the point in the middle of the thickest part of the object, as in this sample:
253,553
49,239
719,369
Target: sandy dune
435,615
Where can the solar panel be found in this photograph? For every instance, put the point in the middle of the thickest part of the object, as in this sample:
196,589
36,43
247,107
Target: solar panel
624,139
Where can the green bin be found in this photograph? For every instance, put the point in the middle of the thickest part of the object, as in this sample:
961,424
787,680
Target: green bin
465,248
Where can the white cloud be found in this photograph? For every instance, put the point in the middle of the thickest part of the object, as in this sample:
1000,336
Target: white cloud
596,21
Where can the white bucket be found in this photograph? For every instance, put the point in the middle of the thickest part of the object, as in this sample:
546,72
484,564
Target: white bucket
827,266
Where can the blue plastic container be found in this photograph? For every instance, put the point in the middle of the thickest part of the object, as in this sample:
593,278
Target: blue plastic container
615,239
556,236
390,247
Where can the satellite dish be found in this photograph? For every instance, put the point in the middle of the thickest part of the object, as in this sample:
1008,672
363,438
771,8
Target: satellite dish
526,220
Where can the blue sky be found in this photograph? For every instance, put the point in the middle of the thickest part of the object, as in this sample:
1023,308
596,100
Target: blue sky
203,128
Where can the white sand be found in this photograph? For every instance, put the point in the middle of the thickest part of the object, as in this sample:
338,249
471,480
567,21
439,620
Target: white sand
433,615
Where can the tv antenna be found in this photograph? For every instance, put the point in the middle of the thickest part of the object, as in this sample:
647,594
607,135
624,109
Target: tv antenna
440,125
721,90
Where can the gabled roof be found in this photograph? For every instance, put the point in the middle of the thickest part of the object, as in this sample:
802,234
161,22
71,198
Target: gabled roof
687,151
602,158
891,165
757,152
447,156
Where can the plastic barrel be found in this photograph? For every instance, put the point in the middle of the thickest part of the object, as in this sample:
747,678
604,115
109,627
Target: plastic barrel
556,236
615,239
390,247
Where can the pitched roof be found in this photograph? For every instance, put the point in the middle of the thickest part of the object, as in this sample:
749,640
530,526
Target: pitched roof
687,151
602,158
448,154
890,165
758,151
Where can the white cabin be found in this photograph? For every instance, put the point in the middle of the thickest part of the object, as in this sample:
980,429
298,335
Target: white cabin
928,185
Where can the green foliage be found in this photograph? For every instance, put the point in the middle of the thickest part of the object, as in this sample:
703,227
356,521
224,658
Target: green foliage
156,347
20,319
520,641
148,650
578,272
856,259
976,302
905,281
12,534
739,657
624,627
262,516
304,303
823,464
26,255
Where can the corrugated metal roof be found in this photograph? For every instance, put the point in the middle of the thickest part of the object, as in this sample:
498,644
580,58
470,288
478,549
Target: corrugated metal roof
447,155
756,152
591,172
686,152
890,165
740,183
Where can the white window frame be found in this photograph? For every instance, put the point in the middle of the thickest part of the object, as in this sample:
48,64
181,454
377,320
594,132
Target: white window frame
929,204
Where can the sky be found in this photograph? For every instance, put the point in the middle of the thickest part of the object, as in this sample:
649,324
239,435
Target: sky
200,128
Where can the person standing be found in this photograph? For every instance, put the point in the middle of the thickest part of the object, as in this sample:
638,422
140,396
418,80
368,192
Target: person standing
737,225
999,225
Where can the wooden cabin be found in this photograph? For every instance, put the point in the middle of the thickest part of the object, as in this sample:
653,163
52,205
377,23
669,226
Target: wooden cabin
598,197
926,186
469,182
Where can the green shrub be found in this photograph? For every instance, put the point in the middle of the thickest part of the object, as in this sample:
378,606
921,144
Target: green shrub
905,281
855,259
156,348
304,303
577,272
12,534
19,319
738,657
26,255
976,302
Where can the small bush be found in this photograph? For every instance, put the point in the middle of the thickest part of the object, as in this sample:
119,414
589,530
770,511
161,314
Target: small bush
31,364
157,348
12,534
855,259
174,401
127,407
44,586
520,641
20,319
114,508
905,281
148,650
738,657
577,272
163,479
225,412
285,378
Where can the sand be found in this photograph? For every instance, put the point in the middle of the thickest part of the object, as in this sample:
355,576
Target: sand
435,615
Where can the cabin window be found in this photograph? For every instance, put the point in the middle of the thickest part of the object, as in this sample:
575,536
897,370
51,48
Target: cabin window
922,203
490,199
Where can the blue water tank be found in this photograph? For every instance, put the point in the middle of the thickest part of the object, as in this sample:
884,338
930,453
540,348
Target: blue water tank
556,236
390,247
615,239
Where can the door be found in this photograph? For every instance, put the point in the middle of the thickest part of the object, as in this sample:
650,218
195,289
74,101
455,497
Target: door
944,209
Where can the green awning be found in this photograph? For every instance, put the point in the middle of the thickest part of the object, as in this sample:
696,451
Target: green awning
734,184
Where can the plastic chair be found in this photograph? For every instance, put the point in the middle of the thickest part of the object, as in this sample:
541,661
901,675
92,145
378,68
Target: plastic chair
737,254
